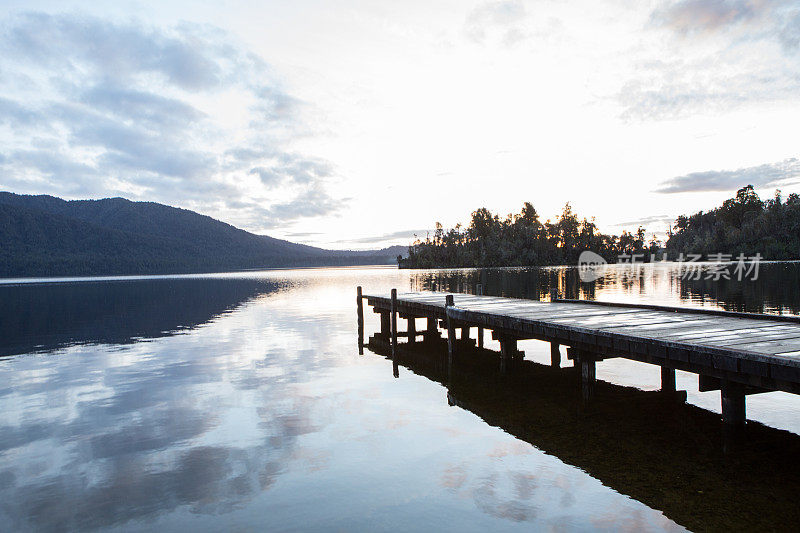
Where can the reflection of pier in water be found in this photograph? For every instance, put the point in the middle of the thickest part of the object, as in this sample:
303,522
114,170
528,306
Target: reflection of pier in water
651,446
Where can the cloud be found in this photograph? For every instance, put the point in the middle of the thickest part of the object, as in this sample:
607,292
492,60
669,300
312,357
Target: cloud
313,202
394,236
293,168
16,114
142,107
715,56
86,45
497,20
680,88
182,115
767,175
690,16
789,35
646,221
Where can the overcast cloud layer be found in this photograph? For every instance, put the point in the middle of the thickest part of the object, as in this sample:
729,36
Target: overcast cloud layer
721,54
314,121
182,115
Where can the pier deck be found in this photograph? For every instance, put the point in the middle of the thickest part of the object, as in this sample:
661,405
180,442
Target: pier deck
737,353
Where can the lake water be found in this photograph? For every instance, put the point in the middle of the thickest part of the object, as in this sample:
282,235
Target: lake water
240,402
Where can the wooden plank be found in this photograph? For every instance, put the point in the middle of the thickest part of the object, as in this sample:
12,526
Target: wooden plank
722,340
746,338
772,348
705,327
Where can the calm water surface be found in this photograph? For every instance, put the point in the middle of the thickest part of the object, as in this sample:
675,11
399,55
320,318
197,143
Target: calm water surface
240,402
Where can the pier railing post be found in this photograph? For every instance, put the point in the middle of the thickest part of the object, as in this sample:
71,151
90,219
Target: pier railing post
394,324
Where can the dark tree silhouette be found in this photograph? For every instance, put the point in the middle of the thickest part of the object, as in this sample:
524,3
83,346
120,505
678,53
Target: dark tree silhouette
744,224
520,240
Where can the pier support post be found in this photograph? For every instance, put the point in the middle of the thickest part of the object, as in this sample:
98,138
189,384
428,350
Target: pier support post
465,333
451,332
555,355
385,324
508,347
733,404
588,374
508,351
412,329
667,379
394,324
360,310
432,329
479,292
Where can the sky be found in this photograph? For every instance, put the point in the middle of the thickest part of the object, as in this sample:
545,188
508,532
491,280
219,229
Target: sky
355,124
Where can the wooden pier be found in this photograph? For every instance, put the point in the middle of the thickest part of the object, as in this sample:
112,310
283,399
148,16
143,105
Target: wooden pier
736,353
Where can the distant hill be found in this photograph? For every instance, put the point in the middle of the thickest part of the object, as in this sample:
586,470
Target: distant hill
48,236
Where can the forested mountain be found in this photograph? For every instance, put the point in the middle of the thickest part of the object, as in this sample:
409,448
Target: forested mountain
47,236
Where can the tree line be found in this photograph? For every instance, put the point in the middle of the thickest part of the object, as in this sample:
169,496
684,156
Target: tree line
743,224
519,240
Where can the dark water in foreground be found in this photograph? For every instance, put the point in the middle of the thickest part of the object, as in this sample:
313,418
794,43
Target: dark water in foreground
239,401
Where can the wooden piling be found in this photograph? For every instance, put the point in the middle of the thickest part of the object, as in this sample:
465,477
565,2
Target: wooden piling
431,329
394,324
733,404
479,292
360,308
385,325
588,374
667,379
555,355
412,329
508,352
451,331
508,347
